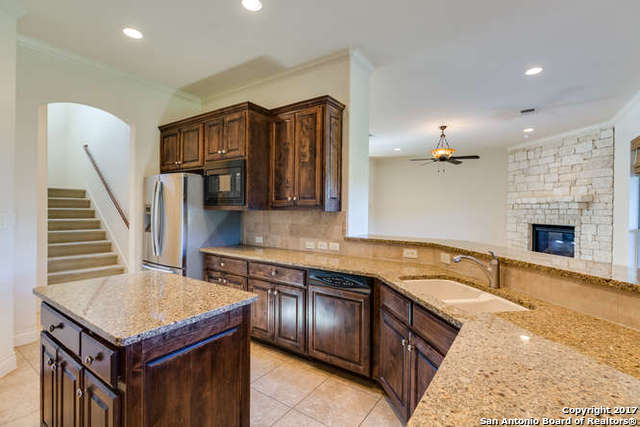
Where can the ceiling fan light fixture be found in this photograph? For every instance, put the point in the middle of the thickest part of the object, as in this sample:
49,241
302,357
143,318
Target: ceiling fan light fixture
444,152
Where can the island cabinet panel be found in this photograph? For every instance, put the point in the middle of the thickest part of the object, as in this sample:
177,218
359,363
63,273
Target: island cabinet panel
48,381
394,362
425,361
70,390
196,385
263,310
101,404
290,318
339,328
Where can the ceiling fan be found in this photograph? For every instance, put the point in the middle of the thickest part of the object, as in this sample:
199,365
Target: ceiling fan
444,153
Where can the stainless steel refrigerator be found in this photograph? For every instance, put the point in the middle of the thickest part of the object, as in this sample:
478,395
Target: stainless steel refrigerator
176,225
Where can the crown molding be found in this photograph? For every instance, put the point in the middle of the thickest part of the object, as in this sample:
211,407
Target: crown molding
339,55
635,99
40,46
360,58
554,138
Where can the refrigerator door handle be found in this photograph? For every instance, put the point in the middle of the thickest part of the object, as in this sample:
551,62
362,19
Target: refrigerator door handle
146,266
154,219
159,238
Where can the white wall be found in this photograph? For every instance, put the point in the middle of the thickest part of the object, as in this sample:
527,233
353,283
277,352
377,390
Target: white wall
626,188
46,75
7,187
467,202
69,128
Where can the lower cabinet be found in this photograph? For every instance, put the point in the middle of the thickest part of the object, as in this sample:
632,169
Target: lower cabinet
424,361
393,362
70,395
279,314
339,328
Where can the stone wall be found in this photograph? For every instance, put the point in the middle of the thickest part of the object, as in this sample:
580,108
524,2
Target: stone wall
568,181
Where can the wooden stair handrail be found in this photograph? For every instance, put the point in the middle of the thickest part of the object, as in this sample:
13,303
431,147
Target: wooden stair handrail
106,186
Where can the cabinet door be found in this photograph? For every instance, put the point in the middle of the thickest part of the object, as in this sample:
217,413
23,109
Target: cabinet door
282,161
101,404
201,384
233,281
213,139
234,135
48,381
394,361
425,361
308,157
169,150
69,391
262,315
191,147
290,318
339,328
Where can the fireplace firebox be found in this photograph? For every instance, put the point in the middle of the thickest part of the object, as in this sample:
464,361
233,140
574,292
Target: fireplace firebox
554,239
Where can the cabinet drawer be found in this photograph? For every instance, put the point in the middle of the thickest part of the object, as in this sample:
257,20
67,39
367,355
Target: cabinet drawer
436,331
61,328
228,265
213,276
237,282
102,360
395,303
276,273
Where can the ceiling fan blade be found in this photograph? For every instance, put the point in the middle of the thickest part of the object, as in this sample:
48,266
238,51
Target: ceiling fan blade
420,160
465,157
454,161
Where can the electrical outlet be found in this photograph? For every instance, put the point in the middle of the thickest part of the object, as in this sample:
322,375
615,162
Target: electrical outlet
310,244
445,258
410,253
322,245
259,240
334,246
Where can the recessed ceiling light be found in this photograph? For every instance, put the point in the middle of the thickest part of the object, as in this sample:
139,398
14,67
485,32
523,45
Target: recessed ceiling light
396,149
132,32
527,130
533,71
252,5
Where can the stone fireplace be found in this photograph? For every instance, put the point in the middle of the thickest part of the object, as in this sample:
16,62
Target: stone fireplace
566,181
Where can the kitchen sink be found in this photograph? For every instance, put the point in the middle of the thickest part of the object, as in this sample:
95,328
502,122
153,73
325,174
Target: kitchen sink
466,298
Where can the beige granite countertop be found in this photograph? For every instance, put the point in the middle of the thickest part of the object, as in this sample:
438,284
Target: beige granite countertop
128,308
518,364
606,274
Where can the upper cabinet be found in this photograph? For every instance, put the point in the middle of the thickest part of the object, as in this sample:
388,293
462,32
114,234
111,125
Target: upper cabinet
292,154
306,154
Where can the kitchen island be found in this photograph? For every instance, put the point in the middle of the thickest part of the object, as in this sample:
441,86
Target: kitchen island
145,348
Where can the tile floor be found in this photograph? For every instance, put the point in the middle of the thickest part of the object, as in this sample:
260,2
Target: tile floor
285,391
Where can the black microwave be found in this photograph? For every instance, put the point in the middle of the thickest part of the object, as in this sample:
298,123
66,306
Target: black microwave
224,183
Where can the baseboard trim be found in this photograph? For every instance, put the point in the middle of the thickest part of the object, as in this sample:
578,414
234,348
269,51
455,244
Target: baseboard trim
8,363
26,337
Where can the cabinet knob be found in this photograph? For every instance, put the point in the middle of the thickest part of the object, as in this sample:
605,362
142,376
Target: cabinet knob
219,279
268,291
88,360
54,366
295,198
222,264
409,348
219,151
49,362
224,151
404,343
275,292
224,281
289,198
53,327
79,392
274,272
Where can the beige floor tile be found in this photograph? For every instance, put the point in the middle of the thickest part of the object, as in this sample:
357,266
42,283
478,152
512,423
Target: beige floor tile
358,382
337,404
31,420
264,410
290,384
19,392
294,418
31,353
382,415
262,363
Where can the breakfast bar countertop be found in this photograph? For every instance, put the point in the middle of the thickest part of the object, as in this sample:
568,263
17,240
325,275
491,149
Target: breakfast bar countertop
514,364
128,308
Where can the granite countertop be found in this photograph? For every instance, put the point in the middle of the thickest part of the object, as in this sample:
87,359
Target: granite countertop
128,308
601,273
514,364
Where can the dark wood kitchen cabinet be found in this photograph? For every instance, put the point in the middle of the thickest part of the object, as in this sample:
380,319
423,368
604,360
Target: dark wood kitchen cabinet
424,362
306,153
394,364
225,136
182,148
262,311
347,345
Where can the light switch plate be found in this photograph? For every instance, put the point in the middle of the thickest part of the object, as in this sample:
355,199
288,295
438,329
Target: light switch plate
259,240
322,245
445,258
310,244
410,253
334,246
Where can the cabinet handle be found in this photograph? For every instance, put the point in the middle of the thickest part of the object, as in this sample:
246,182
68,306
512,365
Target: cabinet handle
295,198
224,151
224,281
409,348
404,343
54,366
289,198
275,292
274,272
89,360
219,279
53,327
268,291
222,264
79,392
49,362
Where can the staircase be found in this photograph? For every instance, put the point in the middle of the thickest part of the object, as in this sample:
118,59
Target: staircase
78,246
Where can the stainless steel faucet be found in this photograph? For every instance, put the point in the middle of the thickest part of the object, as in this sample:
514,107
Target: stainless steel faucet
492,269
